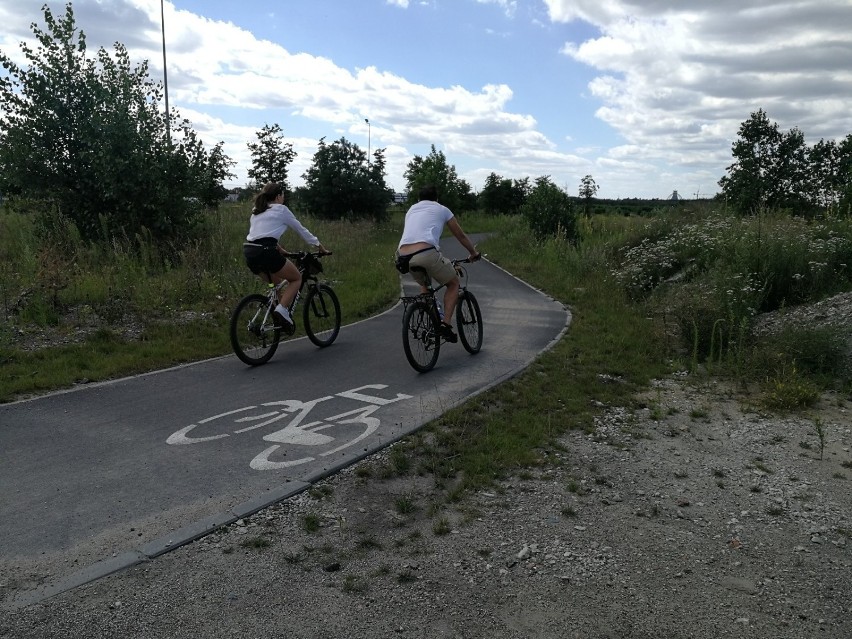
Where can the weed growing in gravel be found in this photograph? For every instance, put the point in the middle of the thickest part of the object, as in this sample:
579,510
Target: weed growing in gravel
354,584
405,505
761,466
255,543
369,542
838,475
364,471
320,492
820,431
441,526
310,522
399,460
568,512
789,390
701,412
406,577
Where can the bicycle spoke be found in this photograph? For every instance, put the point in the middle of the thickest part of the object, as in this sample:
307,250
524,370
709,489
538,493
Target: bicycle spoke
419,337
254,336
322,315
469,320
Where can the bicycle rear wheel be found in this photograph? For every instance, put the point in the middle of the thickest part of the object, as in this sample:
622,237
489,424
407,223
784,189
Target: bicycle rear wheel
254,335
420,337
469,322
322,315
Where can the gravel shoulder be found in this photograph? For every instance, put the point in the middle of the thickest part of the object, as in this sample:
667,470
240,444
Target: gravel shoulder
693,517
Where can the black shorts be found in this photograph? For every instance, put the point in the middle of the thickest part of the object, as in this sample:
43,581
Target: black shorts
262,256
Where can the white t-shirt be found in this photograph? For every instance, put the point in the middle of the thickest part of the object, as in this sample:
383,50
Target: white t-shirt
424,222
274,222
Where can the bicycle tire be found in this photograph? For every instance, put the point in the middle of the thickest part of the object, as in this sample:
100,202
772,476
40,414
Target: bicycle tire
254,335
321,315
420,339
469,322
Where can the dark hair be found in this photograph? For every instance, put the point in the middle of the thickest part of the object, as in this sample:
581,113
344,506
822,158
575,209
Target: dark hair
263,200
428,192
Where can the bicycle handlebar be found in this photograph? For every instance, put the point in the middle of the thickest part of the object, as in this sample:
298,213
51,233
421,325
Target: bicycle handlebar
301,254
467,260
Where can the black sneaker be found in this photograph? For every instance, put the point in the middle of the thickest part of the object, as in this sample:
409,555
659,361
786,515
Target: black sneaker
446,331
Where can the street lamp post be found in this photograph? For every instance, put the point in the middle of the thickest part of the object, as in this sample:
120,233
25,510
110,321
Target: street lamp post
369,159
165,73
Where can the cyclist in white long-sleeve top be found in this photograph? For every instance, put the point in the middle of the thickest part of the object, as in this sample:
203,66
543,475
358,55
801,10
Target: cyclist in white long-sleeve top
270,219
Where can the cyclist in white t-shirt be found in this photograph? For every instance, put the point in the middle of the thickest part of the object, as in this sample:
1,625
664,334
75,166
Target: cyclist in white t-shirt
424,223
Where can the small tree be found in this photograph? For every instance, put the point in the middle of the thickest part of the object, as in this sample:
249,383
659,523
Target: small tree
87,137
270,156
588,190
341,184
500,195
548,212
453,192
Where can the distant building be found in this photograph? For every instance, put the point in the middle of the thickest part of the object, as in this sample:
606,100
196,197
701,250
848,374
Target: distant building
399,198
675,197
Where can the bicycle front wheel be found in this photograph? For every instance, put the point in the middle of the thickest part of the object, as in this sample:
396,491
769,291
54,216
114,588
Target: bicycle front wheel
469,321
420,337
254,336
322,315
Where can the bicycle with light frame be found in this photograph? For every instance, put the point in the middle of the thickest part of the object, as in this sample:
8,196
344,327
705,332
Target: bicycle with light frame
254,331
421,321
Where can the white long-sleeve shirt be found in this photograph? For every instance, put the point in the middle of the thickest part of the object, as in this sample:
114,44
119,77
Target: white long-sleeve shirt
274,222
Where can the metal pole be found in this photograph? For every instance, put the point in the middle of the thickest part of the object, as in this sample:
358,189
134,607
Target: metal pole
369,159
165,74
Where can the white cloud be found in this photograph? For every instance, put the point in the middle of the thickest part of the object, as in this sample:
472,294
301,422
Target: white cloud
680,76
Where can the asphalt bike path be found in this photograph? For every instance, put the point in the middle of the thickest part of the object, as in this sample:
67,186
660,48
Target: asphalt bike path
110,475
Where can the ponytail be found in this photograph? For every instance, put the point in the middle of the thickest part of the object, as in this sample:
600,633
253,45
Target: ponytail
263,200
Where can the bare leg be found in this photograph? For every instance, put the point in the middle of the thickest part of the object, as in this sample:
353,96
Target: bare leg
451,298
294,279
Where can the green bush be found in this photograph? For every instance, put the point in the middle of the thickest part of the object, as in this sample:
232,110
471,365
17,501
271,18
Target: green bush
548,212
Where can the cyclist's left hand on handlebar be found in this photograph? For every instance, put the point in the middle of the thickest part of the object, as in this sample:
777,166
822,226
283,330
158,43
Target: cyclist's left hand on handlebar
474,257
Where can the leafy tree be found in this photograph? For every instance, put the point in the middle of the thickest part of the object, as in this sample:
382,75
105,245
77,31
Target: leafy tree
270,156
87,137
770,167
844,175
548,212
830,172
340,184
747,183
501,195
216,170
453,192
588,190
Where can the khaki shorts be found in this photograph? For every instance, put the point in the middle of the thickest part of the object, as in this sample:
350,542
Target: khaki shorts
437,267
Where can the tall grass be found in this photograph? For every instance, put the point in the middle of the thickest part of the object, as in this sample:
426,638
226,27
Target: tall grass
153,305
708,278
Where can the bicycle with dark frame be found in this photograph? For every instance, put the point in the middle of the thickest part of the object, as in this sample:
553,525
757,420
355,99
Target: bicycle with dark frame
254,331
421,321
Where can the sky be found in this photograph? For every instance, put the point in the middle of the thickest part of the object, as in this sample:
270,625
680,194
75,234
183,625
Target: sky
646,96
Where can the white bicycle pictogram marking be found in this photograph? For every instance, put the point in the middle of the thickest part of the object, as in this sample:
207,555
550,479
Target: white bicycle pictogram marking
296,432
